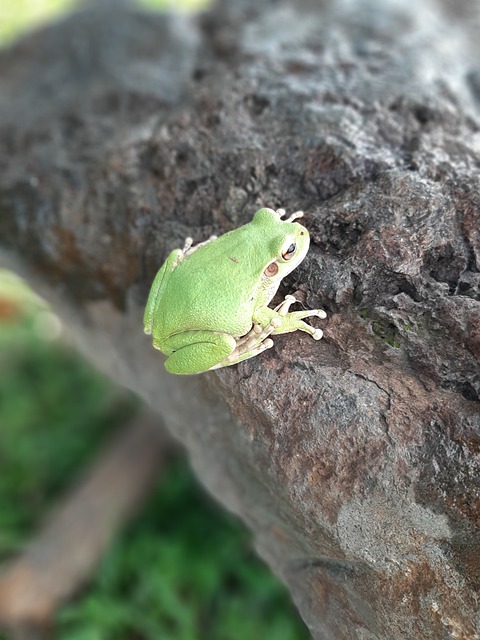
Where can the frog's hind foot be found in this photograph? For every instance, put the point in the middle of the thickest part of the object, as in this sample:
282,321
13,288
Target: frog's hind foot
256,336
190,248
241,353
291,217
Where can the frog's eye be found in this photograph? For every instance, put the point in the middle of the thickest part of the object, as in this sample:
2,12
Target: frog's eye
289,251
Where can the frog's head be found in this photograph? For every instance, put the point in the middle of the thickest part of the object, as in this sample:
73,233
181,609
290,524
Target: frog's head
289,241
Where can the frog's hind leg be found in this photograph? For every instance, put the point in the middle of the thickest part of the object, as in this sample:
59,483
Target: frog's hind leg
197,351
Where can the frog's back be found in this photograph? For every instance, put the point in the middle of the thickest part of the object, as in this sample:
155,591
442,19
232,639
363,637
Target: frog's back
214,288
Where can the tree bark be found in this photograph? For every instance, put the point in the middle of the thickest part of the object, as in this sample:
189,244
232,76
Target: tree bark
354,460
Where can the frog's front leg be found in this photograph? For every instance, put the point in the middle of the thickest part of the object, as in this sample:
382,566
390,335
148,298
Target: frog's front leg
267,322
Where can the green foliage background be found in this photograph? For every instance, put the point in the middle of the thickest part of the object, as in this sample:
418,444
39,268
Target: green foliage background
183,570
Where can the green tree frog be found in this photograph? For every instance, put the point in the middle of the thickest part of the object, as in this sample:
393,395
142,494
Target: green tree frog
208,305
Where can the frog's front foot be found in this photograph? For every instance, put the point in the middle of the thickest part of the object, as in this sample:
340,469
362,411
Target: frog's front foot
283,307
282,320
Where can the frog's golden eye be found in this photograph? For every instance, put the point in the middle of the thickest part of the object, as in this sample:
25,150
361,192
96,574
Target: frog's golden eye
289,252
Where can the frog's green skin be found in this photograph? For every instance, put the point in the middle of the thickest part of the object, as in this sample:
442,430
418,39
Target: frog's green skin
207,307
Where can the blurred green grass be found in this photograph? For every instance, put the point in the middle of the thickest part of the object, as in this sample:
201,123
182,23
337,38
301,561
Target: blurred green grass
184,571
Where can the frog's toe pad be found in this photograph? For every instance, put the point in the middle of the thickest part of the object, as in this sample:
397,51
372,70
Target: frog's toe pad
317,334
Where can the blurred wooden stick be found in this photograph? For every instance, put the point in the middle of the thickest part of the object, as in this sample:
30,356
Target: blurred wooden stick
64,552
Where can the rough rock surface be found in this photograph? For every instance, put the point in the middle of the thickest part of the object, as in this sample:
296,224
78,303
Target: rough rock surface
354,460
